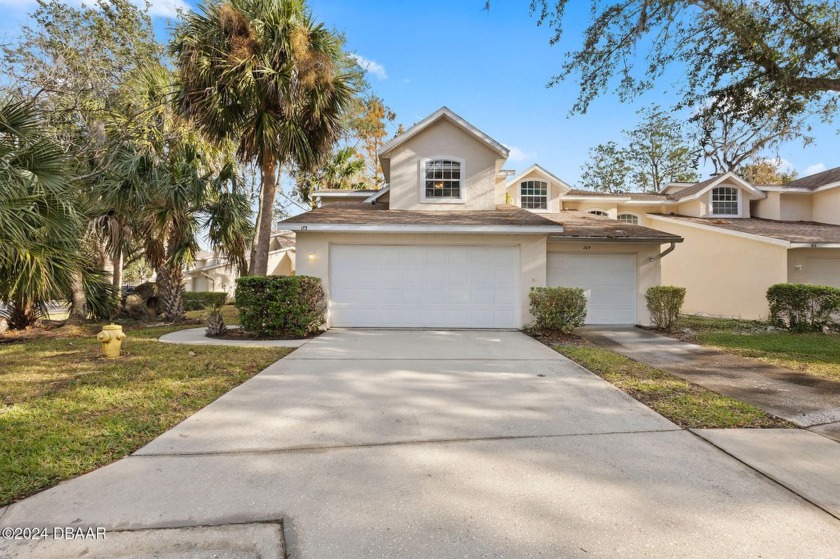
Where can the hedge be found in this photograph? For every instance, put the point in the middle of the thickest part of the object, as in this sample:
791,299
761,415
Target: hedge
558,308
280,306
664,303
200,300
801,307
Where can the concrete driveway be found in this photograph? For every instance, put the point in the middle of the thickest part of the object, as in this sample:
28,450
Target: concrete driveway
375,443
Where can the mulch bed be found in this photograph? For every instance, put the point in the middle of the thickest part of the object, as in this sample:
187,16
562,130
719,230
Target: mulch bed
557,338
240,334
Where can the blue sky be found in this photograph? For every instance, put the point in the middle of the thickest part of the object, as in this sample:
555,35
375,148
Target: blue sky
491,68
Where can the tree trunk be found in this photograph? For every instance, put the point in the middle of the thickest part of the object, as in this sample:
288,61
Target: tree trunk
117,262
170,282
78,306
22,314
265,218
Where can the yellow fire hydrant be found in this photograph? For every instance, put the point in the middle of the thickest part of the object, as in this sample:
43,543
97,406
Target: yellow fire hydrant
111,338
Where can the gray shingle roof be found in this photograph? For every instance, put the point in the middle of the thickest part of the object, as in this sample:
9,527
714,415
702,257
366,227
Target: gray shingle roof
791,231
813,182
357,213
631,195
584,225
576,224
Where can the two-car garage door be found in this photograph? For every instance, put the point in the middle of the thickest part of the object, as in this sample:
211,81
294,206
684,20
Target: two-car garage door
609,281
424,286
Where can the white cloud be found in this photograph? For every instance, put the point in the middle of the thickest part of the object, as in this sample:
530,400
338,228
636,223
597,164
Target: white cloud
166,8
814,169
370,66
519,155
157,8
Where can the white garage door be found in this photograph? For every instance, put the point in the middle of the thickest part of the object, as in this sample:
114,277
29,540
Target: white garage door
609,281
424,286
823,271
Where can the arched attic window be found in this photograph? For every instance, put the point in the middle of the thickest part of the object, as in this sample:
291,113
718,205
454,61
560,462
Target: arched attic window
725,201
632,219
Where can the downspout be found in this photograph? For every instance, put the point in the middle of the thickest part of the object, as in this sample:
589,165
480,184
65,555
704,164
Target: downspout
662,254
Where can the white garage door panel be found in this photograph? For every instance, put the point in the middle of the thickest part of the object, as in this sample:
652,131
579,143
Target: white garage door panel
609,281
424,286
823,271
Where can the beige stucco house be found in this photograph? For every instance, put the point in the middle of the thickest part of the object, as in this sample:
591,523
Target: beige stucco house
739,238
440,247
211,272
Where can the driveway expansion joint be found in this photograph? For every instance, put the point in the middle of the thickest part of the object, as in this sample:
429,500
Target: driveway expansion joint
321,448
765,475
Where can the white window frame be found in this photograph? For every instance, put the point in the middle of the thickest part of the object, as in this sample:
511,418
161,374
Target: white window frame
593,210
448,200
547,192
637,216
737,190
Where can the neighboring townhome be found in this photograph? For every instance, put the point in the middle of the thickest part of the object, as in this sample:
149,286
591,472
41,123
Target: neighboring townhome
739,238
211,272
440,247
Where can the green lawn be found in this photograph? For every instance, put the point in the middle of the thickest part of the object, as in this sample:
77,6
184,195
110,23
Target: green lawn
814,354
229,313
65,411
684,403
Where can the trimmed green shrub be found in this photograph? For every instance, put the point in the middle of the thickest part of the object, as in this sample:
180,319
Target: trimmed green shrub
200,300
282,306
664,303
802,308
558,308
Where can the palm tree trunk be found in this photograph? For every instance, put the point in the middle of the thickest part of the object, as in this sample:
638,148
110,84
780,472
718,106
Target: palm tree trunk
170,281
78,308
117,262
265,218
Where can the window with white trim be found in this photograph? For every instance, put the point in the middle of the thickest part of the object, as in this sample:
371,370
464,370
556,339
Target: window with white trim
443,178
629,218
599,212
533,195
725,201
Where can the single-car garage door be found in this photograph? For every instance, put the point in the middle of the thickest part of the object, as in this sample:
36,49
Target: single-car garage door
424,286
822,271
609,281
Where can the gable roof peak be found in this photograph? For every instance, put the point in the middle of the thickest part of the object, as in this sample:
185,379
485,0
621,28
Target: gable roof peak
543,171
449,114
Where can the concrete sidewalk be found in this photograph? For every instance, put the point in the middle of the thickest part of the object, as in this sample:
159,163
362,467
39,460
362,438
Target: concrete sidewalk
440,444
807,401
196,336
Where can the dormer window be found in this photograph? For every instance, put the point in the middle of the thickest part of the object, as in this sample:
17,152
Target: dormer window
443,179
533,195
725,201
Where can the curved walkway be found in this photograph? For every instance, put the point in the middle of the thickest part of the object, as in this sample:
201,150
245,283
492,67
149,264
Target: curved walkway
195,336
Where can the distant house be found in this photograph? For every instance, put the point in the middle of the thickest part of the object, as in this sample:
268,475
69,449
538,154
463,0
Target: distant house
210,272
740,238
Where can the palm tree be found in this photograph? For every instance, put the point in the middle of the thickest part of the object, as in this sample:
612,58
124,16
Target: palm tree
264,74
178,185
39,225
343,170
